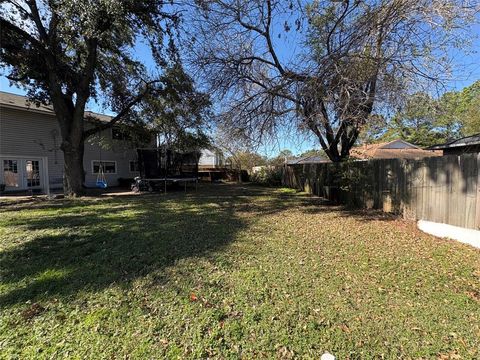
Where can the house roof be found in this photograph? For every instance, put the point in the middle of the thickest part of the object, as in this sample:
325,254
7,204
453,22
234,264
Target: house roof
312,159
388,150
21,102
391,150
465,141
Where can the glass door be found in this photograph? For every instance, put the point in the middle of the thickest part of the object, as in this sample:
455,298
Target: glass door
11,175
32,173
21,174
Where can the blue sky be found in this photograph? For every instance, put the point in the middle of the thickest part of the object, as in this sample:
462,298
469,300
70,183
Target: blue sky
287,50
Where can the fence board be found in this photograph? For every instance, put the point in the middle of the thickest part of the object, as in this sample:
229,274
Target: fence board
440,189
477,216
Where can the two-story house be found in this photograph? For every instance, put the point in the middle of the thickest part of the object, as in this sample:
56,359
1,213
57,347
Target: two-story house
30,154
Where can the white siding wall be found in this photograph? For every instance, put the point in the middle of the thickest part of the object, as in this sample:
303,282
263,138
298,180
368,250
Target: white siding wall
30,133
211,158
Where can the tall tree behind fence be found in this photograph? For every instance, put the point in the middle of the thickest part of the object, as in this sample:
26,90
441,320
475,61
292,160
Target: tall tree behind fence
441,189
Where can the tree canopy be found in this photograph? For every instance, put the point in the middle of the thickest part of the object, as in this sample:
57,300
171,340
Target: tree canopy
426,121
462,108
181,115
67,53
419,123
349,61
281,157
246,160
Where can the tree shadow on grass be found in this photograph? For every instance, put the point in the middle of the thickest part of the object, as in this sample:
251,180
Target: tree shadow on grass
89,245
312,204
365,215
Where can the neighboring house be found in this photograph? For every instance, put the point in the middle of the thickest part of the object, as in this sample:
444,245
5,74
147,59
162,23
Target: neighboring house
30,155
468,144
257,169
212,165
396,149
211,159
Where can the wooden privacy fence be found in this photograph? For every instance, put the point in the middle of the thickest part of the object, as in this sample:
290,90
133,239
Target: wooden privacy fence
441,189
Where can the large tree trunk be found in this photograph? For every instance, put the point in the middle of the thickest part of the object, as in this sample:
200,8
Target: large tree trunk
74,174
73,146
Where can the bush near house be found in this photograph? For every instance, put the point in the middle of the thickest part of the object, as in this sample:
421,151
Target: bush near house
267,176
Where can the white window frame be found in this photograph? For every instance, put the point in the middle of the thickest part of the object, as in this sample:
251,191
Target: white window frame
129,168
104,161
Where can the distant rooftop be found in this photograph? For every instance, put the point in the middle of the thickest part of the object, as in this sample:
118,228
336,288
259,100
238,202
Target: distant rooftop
312,159
465,141
396,149
391,150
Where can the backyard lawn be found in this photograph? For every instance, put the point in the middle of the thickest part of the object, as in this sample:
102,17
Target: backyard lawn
229,272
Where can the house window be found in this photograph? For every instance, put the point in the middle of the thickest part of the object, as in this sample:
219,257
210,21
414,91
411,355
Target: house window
10,173
133,166
109,167
33,173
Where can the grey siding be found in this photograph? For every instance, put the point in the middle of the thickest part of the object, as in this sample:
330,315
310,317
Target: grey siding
103,147
26,132
30,133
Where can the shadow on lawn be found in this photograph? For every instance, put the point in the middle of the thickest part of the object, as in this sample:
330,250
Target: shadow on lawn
312,204
89,245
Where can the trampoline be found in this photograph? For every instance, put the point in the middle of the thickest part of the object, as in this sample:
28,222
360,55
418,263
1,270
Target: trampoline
160,167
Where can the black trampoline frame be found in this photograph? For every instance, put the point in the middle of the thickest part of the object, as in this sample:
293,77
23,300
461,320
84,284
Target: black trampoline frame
169,172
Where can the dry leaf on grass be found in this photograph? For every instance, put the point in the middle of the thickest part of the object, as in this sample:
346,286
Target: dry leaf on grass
32,311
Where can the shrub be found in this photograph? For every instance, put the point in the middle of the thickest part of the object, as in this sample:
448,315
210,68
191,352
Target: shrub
267,176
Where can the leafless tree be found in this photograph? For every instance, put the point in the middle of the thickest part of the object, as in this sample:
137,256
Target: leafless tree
232,143
347,60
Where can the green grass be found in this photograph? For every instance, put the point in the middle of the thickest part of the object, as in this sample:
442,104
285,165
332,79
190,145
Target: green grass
229,272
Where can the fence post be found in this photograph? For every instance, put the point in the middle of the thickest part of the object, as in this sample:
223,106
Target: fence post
477,210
